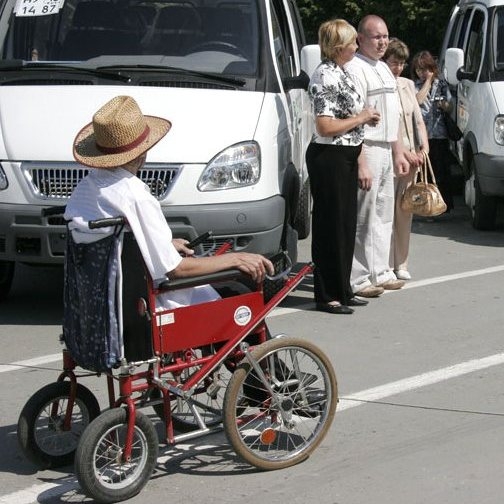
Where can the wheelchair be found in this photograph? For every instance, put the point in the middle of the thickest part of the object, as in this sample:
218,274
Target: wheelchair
202,368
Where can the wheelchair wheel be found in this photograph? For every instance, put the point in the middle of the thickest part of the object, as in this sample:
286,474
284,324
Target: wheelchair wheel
280,430
101,470
208,400
41,431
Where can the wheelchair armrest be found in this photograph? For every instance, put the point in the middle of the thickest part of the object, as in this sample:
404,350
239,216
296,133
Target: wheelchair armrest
183,283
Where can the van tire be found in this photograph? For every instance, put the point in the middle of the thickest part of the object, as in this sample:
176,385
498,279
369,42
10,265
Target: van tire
6,277
302,223
484,209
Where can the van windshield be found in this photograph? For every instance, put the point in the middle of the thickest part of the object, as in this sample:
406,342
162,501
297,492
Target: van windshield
216,36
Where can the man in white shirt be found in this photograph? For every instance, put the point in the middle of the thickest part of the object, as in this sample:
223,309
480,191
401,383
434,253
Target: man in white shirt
115,143
371,272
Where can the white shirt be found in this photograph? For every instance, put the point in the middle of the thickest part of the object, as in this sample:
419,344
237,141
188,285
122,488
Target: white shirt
378,86
117,192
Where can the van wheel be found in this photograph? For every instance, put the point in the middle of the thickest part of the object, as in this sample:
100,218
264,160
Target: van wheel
483,208
6,277
302,223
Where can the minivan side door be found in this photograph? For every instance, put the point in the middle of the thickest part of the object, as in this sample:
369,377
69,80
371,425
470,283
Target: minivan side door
288,40
474,46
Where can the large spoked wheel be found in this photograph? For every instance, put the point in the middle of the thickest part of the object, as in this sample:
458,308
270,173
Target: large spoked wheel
101,469
274,431
44,436
207,401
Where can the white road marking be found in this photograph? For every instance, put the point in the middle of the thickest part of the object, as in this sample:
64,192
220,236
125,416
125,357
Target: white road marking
33,495
421,380
37,361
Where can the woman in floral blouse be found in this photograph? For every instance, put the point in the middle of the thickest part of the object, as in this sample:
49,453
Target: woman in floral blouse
332,161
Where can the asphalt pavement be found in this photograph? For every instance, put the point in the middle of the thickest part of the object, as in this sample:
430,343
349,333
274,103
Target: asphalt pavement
420,374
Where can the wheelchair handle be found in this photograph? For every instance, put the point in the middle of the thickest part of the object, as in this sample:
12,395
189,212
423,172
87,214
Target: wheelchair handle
107,222
199,239
285,271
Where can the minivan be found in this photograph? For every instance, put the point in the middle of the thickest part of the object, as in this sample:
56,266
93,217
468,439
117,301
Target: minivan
472,59
231,76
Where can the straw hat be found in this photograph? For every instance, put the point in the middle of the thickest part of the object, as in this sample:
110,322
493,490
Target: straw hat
118,134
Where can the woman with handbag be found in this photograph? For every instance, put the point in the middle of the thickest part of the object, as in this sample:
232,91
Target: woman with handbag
332,161
414,136
434,99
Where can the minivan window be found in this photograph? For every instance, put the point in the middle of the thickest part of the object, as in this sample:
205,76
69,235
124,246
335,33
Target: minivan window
284,50
475,40
498,39
202,35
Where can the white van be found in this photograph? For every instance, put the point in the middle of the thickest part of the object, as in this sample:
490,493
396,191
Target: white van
472,58
226,73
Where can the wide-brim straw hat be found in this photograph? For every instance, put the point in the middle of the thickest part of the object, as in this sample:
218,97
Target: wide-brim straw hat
118,134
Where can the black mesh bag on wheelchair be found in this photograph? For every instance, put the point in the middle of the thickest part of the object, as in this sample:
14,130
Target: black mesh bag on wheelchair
90,319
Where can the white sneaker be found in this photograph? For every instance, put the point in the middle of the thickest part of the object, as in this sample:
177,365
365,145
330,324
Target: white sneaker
402,275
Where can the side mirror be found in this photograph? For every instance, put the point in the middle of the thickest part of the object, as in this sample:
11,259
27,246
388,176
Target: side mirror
301,81
310,58
454,61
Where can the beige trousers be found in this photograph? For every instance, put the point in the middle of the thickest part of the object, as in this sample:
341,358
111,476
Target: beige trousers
401,229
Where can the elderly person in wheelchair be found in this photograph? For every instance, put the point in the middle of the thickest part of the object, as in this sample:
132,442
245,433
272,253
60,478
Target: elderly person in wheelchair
116,143
274,397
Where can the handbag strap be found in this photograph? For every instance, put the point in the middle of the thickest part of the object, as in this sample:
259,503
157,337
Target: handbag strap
427,167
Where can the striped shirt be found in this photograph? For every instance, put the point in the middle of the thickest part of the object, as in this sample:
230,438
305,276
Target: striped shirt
375,82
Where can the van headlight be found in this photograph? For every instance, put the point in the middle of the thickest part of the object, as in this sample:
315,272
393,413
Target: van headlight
4,183
236,166
499,129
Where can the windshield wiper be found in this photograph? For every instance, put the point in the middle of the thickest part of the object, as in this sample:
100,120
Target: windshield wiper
169,69
16,65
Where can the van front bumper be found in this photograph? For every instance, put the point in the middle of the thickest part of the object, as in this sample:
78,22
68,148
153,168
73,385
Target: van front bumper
26,236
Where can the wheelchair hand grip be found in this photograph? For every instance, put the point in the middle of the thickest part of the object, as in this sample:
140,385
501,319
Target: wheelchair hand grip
281,257
199,239
107,222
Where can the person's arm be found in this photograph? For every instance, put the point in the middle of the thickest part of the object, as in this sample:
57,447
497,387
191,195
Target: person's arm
255,265
422,93
331,126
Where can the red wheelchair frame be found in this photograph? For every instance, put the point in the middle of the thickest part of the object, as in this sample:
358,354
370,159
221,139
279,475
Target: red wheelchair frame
279,401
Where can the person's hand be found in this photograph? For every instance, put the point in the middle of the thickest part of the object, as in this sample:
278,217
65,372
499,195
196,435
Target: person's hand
181,246
369,116
365,177
401,165
414,159
444,105
255,265
429,76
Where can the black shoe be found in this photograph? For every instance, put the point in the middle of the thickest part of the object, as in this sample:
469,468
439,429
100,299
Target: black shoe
336,309
355,301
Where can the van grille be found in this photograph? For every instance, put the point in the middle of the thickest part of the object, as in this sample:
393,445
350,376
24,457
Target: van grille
57,181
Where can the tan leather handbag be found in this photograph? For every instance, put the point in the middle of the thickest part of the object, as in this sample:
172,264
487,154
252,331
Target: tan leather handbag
423,197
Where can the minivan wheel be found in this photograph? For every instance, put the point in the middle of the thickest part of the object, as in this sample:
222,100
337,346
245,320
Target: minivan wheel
6,277
302,222
483,208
